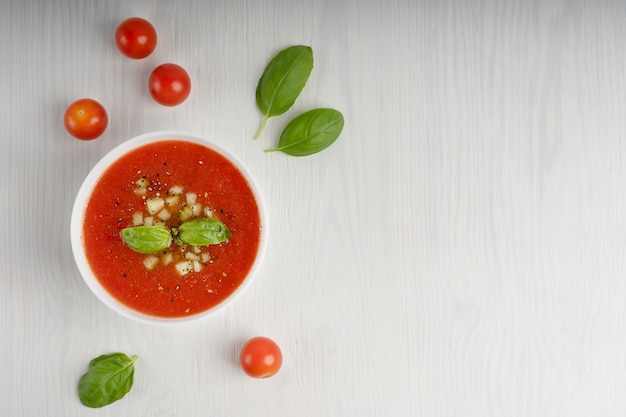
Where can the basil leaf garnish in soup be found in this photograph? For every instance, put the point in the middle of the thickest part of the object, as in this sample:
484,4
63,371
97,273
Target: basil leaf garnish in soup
109,378
203,232
310,132
282,81
147,239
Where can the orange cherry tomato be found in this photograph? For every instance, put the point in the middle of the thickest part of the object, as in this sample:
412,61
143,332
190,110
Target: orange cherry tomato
86,119
136,38
260,357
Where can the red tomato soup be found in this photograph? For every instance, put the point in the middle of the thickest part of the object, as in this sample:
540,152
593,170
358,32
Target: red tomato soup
166,183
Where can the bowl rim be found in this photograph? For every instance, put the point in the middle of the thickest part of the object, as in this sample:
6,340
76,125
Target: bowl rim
85,191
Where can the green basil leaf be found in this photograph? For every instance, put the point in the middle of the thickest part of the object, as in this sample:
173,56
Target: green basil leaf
310,132
108,379
202,232
147,239
282,81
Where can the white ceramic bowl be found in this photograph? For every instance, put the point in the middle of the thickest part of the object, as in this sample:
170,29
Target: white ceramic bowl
84,194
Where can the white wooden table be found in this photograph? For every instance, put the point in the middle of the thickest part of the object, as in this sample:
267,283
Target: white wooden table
459,251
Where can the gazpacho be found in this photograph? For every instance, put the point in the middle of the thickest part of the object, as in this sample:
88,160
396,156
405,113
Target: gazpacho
171,191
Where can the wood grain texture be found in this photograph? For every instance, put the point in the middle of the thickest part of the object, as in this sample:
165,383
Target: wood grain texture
459,251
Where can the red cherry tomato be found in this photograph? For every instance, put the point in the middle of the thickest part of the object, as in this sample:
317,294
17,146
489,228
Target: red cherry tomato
136,38
86,119
260,357
169,84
